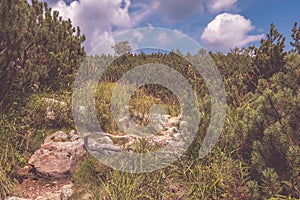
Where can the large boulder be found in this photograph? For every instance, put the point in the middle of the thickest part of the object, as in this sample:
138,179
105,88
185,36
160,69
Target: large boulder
58,156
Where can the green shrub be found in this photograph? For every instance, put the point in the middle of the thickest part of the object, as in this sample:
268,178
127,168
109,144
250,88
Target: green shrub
10,144
6,185
49,111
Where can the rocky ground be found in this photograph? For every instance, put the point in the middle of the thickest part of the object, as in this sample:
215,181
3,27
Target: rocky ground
50,169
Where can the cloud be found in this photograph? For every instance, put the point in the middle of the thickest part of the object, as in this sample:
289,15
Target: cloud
97,19
177,9
228,31
138,35
163,38
216,6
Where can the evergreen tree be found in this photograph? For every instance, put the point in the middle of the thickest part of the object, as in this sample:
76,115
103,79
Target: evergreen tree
269,57
122,47
271,126
38,49
296,37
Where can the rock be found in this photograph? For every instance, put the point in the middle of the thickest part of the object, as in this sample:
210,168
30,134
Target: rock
173,129
103,145
58,136
53,195
66,192
57,157
51,101
73,136
167,133
174,121
86,196
50,114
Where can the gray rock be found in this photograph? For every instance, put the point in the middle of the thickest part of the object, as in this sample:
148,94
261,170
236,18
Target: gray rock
56,157
73,135
50,114
58,136
107,148
66,192
51,101
87,196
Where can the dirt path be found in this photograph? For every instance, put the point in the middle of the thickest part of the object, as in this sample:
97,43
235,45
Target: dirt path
41,189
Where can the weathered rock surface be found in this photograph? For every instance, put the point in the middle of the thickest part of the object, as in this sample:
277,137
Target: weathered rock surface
168,134
58,156
61,153
50,113
66,192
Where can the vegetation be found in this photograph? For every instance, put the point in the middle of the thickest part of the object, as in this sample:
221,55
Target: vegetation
258,153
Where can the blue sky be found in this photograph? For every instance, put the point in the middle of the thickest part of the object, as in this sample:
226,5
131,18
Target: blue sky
218,25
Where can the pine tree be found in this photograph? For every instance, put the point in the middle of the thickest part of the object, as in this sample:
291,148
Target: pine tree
38,49
271,123
122,47
296,37
269,57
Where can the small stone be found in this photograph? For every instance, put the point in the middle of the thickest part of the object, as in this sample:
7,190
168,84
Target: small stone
86,196
73,135
66,192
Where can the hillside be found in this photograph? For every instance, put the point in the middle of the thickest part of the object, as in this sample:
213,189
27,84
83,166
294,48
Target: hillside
257,155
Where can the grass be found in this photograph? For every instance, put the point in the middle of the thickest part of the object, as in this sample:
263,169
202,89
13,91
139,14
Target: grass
6,185
218,176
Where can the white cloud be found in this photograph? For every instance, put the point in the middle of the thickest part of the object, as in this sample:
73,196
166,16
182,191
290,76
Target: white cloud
228,31
97,18
163,38
138,35
216,6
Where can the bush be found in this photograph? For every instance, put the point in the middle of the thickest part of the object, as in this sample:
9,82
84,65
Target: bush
49,111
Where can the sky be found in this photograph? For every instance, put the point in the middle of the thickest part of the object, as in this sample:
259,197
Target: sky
217,25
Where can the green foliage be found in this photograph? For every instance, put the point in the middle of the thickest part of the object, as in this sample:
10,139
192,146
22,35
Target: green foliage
296,38
122,186
269,57
217,176
206,178
88,176
37,50
6,185
258,154
49,111
271,124
140,102
253,190
11,144
270,183
10,156
122,47
235,68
